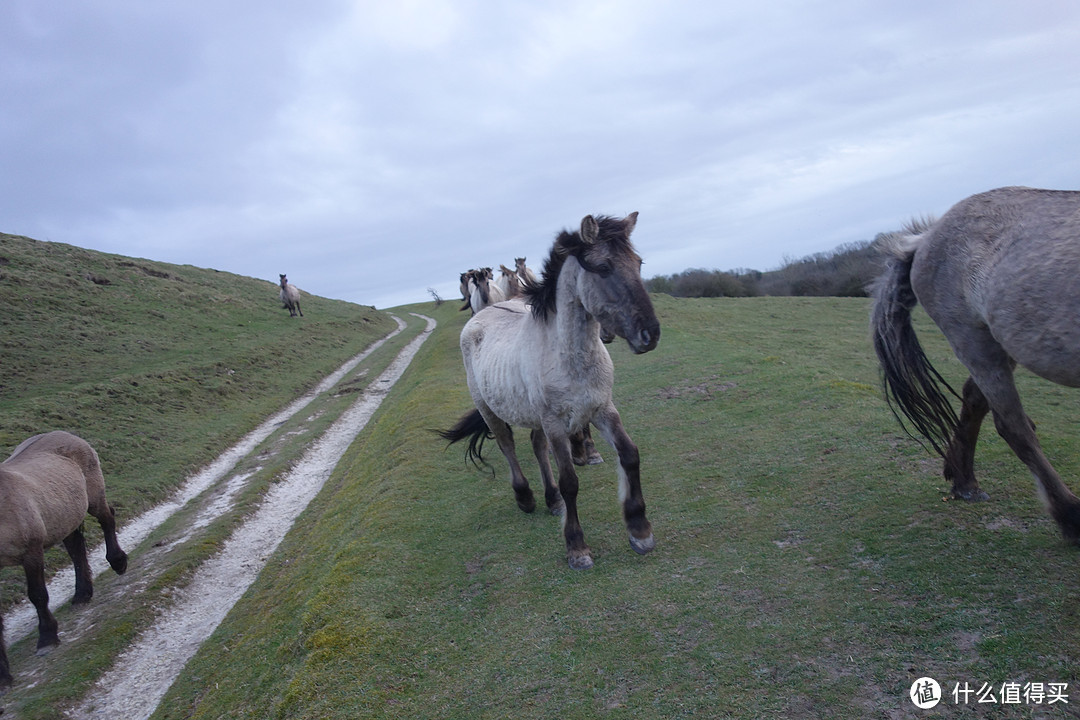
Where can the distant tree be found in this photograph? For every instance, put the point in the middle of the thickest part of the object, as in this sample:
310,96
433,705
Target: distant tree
844,272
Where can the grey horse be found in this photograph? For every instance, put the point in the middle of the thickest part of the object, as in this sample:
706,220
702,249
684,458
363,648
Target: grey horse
999,273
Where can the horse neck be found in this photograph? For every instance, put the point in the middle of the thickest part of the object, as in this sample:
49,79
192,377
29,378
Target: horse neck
577,332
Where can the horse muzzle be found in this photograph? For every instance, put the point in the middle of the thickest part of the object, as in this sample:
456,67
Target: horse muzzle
644,339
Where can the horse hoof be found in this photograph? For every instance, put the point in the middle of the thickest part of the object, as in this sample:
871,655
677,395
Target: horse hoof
976,495
579,561
119,564
642,546
558,509
595,459
527,505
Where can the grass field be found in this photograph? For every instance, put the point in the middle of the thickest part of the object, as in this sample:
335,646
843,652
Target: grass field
808,564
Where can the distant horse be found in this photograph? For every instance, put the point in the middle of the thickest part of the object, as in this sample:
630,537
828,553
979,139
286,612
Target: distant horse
290,297
508,283
47,486
538,362
998,273
525,275
482,291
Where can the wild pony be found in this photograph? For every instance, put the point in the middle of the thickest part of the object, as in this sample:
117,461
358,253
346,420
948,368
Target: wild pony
538,362
508,282
998,274
47,486
525,274
482,291
290,297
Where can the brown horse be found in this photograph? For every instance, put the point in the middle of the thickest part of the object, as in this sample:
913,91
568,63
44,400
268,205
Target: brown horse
47,486
998,274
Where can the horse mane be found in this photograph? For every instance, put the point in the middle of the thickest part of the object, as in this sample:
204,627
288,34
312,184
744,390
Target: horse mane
541,296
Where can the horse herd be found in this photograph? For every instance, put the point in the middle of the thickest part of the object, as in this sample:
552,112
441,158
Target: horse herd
479,287
997,274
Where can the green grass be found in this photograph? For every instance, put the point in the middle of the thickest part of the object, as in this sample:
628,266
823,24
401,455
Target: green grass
161,368
807,565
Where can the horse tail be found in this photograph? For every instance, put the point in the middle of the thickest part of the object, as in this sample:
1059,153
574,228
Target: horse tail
472,426
910,382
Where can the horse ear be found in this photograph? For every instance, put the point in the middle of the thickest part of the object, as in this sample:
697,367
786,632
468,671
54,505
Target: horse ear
590,230
631,222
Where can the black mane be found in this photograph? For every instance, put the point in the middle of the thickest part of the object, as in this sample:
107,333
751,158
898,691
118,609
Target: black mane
542,295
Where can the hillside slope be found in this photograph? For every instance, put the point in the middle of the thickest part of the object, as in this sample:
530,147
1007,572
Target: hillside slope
159,366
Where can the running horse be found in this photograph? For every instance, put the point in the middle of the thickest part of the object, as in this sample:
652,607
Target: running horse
538,362
999,273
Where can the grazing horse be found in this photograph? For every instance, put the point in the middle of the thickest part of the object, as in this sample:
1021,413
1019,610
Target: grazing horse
538,362
47,486
998,273
290,297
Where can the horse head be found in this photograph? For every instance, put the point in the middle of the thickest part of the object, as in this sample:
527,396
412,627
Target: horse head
611,289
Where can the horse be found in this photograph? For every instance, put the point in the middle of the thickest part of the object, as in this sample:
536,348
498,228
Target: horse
508,282
290,297
482,292
47,486
525,275
538,362
998,275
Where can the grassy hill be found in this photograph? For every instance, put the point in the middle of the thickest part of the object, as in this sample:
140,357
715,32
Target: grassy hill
160,367
807,565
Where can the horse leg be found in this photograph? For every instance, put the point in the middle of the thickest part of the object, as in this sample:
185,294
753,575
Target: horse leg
960,456
1019,432
117,558
34,567
578,555
504,436
554,500
633,502
992,372
75,544
583,449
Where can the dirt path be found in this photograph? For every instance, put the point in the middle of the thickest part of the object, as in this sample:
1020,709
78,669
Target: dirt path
145,671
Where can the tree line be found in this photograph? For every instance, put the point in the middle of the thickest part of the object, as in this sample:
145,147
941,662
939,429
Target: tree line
843,272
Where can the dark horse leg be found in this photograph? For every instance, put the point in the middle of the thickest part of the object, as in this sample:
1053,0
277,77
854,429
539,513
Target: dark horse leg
633,502
117,558
552,496
75,544
960,456
34,567
504,436
578,555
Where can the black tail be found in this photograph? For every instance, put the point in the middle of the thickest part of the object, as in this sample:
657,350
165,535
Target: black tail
471,426
911,382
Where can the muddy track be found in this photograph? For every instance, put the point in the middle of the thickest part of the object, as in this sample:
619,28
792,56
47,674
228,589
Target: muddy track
143,673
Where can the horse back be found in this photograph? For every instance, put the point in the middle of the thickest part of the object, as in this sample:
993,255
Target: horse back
42,500
1008,260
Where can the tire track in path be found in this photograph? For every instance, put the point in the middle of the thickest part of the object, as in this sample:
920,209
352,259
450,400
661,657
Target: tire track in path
144,672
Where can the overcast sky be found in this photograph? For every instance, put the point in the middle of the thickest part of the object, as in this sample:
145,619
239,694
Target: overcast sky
371,150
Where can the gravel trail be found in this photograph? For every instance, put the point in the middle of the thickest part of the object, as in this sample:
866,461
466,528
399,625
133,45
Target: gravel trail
22,619
144,672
